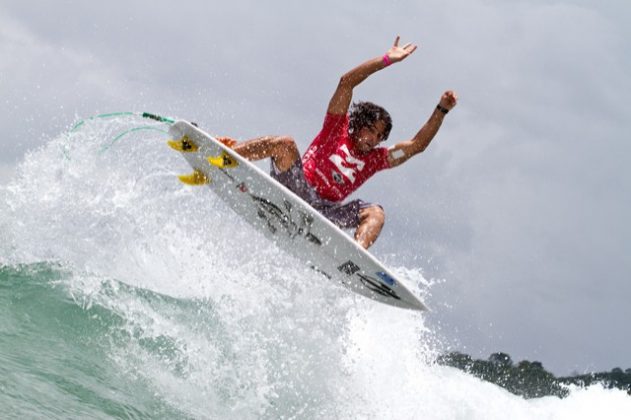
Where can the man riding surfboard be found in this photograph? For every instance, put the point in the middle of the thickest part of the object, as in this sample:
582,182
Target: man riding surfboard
347,151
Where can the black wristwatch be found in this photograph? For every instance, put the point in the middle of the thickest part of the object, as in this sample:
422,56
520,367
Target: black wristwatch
442,109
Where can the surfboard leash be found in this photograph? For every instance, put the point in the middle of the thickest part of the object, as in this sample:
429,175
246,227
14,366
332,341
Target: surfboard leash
148,115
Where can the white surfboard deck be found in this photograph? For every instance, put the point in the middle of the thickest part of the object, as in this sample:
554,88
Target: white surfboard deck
291,223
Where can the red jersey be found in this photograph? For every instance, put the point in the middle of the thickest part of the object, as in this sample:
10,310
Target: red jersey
333,166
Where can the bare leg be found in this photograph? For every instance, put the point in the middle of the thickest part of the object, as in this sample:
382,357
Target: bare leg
371,220
282,150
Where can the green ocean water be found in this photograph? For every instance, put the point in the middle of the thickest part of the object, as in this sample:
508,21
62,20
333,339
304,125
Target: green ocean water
55,358
125,295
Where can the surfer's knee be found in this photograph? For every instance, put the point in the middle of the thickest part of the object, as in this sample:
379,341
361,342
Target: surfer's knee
373,215
285,152
371,220
287,144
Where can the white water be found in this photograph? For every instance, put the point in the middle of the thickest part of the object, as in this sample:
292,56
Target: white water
251,334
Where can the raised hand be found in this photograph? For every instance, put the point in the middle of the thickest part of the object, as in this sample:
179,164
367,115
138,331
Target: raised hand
396,53
449,99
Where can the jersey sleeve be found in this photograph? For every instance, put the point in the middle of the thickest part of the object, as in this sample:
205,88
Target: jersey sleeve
381,159
334,126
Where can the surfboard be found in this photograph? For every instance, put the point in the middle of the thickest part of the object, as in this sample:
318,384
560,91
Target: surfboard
283,217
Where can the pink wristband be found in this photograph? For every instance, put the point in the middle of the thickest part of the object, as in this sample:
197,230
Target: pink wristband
386,60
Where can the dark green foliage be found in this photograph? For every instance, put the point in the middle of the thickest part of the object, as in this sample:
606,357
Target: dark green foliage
530,379
617,378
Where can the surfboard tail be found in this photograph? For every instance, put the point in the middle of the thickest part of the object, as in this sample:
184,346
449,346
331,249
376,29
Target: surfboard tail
184,145
223,161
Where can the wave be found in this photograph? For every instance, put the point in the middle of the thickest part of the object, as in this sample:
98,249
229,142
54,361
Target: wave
126,294
57,352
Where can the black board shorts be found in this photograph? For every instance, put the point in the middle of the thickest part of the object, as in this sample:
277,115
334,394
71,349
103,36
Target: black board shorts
343,215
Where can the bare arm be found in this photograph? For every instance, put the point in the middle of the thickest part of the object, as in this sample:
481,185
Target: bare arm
341,100
404,150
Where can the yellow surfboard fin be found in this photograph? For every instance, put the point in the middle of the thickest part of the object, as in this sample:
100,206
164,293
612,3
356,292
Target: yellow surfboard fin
196,178
223,161
184,145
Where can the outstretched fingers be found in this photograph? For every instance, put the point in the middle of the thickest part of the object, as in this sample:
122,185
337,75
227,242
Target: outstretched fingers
397,53
409,48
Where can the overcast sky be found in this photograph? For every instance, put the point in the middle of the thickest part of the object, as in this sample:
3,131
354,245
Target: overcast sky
521,203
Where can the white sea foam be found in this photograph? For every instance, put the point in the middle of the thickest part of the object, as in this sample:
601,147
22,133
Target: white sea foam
218,322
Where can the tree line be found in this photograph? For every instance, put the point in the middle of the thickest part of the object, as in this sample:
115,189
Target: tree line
530,379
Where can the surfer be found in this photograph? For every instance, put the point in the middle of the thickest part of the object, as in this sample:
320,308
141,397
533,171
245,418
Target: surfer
347,151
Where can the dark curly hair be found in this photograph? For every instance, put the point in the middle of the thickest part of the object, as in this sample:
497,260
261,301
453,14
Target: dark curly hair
366,114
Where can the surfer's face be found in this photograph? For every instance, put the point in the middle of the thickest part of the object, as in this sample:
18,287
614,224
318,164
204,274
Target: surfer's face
369,137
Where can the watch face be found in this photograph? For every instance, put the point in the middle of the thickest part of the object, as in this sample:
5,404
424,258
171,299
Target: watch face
337,177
